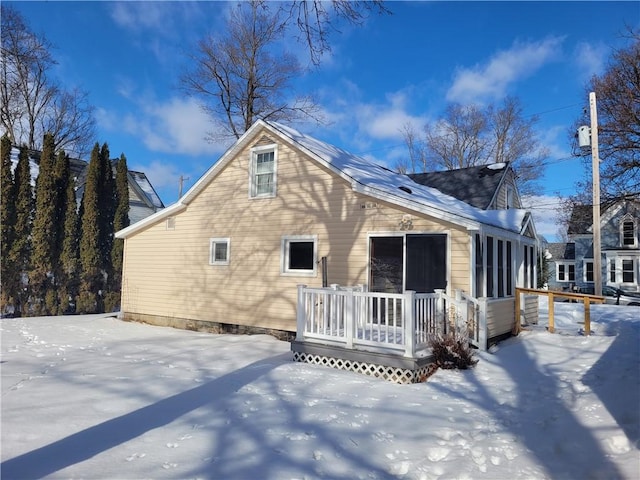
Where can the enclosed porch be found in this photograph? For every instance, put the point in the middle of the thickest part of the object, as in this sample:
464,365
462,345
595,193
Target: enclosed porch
386,334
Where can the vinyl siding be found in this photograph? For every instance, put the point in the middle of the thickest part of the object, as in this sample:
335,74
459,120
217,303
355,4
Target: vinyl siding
500,316
167,272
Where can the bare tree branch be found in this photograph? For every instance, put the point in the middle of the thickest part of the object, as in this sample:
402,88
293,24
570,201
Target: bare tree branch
31,101
468,135
241,76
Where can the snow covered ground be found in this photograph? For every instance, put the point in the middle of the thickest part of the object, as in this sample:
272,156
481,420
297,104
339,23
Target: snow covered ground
97,398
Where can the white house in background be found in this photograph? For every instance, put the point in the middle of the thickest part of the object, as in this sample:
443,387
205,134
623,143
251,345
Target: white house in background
143,199
571,265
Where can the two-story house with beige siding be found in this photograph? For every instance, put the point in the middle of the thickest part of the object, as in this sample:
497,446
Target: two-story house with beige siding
280,209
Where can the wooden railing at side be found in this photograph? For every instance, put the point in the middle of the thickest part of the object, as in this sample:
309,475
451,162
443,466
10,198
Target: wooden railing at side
586,299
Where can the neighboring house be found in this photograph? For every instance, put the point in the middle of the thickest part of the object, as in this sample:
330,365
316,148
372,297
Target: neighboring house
143,199
488,187
280,209
572,263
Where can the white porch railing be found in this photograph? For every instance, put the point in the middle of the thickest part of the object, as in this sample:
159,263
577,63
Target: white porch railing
378,321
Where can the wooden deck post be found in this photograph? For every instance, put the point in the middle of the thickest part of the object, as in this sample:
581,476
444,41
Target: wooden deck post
587,316
409,323
551,308
300,314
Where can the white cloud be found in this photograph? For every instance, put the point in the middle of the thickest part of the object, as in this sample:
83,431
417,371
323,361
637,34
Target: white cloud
177,126
491,80
590,58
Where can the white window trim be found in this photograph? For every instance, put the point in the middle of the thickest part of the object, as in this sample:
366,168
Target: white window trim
252,168
584,270
629,219
284,256
566,272
634,270
212,243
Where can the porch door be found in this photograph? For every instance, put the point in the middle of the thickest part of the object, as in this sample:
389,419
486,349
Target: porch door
426,263
386,262
420,266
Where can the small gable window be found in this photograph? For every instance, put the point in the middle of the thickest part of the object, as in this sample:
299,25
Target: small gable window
263,172
628,233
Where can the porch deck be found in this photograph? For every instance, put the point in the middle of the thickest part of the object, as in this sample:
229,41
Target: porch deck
381,334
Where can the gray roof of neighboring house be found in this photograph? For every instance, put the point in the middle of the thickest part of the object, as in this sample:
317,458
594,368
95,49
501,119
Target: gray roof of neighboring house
78,169
473,185
145,185
562,251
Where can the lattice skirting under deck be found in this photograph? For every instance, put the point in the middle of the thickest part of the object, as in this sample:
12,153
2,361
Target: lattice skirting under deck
393,374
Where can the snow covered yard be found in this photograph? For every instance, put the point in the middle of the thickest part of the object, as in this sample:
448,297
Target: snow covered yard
94,397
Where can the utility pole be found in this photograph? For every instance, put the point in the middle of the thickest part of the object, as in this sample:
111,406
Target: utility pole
595,167
182,179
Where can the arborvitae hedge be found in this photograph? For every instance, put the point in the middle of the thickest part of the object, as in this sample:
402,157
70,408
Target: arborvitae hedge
7,223
44,235
58,256
91,278
20,253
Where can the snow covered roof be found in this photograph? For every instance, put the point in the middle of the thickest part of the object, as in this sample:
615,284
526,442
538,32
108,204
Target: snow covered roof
365,177
145,185
378,181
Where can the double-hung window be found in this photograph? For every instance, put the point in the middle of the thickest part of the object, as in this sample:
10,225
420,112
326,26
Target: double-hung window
588,271
628,271
263,172
219,251
628,233
565,272
299,255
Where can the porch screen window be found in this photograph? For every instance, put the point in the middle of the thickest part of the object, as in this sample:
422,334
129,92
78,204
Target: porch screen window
501,268
532,269
627,271
509,270
588,271
479,268
490,267
263,172
299,255
219,251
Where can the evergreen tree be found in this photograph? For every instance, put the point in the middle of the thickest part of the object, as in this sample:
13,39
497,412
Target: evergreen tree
69,261
91,278
44,233
7,223
106,204
120,221
20,252
61,179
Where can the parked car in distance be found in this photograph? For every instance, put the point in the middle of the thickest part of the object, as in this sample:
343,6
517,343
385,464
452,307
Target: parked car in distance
615,296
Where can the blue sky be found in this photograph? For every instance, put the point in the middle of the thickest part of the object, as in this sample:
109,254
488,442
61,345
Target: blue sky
392,70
